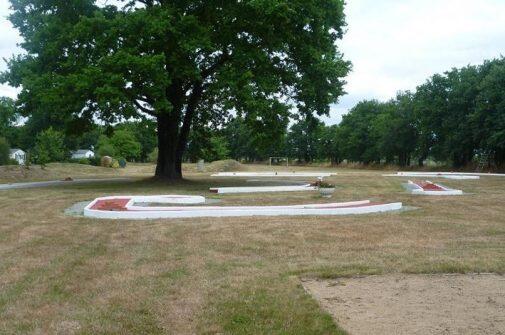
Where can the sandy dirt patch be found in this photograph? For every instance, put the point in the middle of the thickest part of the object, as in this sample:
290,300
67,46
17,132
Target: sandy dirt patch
414,304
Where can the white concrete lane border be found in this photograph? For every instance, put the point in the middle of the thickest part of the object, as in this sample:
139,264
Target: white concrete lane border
417,189
274,174
262,189
447,175
414,173
140,212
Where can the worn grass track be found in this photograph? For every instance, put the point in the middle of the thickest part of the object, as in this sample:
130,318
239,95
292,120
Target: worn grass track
69,275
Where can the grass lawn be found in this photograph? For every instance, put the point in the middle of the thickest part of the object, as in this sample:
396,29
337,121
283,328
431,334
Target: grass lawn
69,275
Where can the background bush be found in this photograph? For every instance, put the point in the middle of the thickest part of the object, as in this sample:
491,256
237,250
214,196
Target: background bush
4,151
153,156
50,147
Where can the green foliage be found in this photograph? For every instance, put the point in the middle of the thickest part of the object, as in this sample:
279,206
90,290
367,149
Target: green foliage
145,133
330,146
153,156
256,140
8,119
88,138
4,151
394,132
488,119
218,149
451,118
126,145
304,139
122,143
95,161
359,145
84,161
186,63
105,147
49,147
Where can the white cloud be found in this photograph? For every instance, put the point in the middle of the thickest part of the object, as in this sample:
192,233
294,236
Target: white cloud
9,38
396,45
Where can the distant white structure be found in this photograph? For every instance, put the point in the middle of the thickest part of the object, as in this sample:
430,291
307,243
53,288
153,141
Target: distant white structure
19,155
80,154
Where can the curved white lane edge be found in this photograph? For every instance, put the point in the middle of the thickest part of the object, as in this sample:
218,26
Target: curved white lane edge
140,212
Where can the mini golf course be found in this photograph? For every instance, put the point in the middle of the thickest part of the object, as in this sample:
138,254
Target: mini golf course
135,207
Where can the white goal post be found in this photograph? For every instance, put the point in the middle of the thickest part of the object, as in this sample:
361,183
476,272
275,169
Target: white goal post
272,159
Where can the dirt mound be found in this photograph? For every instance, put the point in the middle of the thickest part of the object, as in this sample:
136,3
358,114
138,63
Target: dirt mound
225,166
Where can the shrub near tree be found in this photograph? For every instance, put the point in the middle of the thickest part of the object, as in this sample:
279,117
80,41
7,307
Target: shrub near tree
105,147
153,156
8,118
144,132
49,147
4,151
126,145
218,149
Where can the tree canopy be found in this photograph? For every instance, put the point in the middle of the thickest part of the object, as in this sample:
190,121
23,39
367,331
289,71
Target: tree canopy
185,63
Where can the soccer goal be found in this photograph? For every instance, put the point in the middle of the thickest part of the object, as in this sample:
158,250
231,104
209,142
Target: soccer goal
278,161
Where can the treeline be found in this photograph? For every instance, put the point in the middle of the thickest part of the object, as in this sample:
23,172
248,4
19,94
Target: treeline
456,118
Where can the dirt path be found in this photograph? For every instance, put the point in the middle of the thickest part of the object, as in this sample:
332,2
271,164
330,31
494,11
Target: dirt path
415,304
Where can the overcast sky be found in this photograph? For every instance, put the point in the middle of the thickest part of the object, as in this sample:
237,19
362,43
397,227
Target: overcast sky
394,45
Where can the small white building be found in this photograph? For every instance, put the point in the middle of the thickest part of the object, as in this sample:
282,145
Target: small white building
19,155
80,154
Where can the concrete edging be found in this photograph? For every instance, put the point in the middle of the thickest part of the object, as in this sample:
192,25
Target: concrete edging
418,189
261,189
139,212
274,174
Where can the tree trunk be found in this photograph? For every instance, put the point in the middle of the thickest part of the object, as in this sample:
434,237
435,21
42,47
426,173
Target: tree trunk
169,164
173,134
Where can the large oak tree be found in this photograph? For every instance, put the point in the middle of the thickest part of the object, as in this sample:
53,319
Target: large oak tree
186,63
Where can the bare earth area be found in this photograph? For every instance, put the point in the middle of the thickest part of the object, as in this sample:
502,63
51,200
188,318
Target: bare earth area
415,304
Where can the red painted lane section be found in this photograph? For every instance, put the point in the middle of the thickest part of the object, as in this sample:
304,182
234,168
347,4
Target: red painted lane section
430,187
111,205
